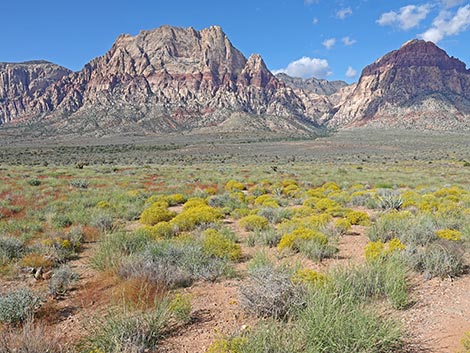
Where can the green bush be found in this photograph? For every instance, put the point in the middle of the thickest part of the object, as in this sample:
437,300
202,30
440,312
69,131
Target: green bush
62,280
18,305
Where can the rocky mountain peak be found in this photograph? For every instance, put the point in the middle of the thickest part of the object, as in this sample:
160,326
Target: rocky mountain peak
416,53
418,85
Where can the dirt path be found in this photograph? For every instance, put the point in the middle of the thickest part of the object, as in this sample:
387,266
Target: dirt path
441,315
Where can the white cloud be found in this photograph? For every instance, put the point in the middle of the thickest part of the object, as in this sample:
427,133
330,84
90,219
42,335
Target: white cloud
343,13
452,3
309,2
329,43
315,21
406,18
348,41
307,67
350,72
447,24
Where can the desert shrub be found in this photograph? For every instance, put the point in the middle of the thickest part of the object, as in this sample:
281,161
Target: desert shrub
342,225
375,280
225,201
34,182
439,259
227,345
102,221
103,204
240,213
358,218
115,246
318,221
267,237
216,244
18,305
390,225
175,199
159,230
194,202
449,234
62,280
309,277
327,205
336,324
270,292
466,339
377,250
31,338
266,201
389,200
316,250
35,260
174,264
154,215
11,248
80,183
195,216
180,307
254,222
129,330
233,185
292,240
275,215
60,221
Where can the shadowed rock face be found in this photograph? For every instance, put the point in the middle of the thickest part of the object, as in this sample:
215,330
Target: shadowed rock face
314,85
418,85
168,79
22,86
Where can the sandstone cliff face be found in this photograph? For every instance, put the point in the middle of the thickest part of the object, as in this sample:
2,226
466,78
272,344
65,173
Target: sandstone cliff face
417,86
22,86
170,79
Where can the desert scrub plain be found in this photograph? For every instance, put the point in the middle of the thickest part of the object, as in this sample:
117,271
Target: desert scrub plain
364,254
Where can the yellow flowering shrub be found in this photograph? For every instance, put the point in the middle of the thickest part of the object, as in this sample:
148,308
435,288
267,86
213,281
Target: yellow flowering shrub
175,199
309,277
103,204
378,250
327,205
156,214
159,230
266,201
302,211
449,234
218,245
228,345
318,220
358,218
331,186
194,216
254,222
290,240
288,182
194,202
291,190
233,185
342,225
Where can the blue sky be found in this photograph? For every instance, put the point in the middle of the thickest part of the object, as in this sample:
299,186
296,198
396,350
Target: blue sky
331,39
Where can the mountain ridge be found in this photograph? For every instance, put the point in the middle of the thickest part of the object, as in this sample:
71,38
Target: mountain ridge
173,79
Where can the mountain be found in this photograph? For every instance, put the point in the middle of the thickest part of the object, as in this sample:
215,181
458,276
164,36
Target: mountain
22,86
416,86
314,85
164,80
179,79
